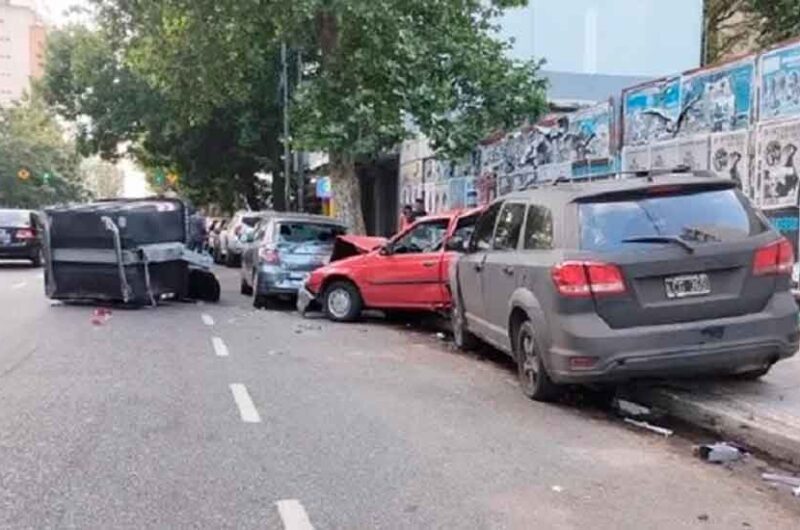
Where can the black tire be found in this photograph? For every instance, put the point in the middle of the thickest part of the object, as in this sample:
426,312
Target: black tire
342,302
36,260
753,375
261,301
244,288
534,380
463,339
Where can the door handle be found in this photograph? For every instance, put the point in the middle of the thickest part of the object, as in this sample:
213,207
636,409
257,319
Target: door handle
508,270
428,264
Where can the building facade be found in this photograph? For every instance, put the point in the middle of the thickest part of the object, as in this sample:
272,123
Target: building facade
22,49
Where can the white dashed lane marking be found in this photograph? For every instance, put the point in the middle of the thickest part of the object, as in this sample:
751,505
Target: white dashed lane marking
208,320
247,410
219,347
293,515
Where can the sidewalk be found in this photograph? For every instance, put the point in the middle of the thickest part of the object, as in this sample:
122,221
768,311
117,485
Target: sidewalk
763,414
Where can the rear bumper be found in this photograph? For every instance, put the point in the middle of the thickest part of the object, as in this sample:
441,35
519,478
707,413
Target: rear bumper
276,281
20,250
718,346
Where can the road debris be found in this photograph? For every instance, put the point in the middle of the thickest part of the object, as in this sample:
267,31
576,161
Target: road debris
441,336
782,479
100,316
557,489
652,428
629,409
720,452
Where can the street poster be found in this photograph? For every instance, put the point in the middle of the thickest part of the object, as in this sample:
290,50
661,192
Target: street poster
664,155
589,133
718,99
693,152
729,159
635,158
552,172
787,222
651,111
777,165
780,83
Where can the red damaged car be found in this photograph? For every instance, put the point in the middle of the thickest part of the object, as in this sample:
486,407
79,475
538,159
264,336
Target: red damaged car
408,272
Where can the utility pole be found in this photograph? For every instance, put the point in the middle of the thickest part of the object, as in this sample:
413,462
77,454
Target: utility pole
287,182
300,165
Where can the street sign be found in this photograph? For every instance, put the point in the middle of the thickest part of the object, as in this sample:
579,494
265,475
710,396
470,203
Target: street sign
23,174
172,178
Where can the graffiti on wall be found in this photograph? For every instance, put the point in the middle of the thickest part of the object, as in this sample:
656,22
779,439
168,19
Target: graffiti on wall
717,99
651,111
777,160
780,83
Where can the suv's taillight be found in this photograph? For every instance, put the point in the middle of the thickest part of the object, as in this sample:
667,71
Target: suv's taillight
25,233
775,258
270,256
584,278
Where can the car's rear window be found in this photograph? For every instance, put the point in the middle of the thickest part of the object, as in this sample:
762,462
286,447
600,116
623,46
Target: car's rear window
702,217
300,232
15,218
251,220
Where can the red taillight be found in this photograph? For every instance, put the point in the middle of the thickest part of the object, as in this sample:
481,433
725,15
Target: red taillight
270,256
775,258
25,233
584,278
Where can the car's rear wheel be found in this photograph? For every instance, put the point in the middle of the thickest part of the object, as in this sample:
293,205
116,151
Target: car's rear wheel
752,375
342,302
462,338
533,377
37,260
260,301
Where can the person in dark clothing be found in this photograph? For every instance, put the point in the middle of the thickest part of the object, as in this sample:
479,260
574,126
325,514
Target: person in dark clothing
197,231
419,209
406,217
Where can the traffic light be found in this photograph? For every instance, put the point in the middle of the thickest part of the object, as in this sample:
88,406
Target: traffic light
159,177
23,174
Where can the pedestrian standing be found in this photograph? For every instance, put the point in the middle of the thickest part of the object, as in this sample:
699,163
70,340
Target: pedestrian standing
406,217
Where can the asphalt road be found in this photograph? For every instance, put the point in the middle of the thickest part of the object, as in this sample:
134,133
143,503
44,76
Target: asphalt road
147,421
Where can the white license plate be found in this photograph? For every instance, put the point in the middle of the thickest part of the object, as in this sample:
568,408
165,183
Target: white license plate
687,285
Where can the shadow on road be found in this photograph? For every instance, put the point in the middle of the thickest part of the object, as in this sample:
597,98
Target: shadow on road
16,265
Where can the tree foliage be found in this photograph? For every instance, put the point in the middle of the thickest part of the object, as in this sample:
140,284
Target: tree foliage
372,68
31,139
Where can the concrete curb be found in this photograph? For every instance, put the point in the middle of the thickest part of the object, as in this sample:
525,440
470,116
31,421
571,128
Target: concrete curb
768,431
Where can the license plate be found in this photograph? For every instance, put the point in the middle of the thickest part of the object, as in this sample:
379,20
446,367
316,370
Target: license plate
5,237
687,285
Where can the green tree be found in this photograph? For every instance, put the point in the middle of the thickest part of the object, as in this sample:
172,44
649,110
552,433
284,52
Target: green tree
31,139
88,82
372,68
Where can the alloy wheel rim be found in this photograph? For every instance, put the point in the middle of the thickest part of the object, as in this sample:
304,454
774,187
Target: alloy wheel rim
530,361
339,303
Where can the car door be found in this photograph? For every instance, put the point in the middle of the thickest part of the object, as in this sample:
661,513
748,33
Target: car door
406,273
501,272
250,249
470,271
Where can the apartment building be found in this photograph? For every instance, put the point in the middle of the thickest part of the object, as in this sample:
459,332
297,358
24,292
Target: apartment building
23,39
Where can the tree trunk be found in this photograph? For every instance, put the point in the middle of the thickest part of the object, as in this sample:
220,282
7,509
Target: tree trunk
346,192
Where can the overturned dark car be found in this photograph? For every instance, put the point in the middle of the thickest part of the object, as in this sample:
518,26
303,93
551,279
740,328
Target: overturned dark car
129,251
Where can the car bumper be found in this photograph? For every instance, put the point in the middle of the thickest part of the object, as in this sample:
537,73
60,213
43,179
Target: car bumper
306,300
19,250
276,281
719,346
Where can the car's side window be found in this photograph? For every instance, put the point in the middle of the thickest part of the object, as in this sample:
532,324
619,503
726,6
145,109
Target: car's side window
482,236
509,227
424,237
539,228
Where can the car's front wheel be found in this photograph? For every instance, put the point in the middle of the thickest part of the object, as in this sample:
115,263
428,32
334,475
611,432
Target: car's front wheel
342,302
533,377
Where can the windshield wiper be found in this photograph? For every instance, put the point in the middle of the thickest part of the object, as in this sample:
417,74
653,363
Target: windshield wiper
661,239
698,234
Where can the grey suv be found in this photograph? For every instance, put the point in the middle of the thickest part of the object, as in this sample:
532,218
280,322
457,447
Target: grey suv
619,279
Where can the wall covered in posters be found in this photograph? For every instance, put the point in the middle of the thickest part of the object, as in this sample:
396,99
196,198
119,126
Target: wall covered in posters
730,159
779,72
651,111
777,162
718,99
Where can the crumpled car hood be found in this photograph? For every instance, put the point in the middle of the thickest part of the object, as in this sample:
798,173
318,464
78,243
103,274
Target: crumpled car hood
347,246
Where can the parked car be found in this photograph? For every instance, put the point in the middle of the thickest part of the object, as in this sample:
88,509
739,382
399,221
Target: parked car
410,272
230,239
608,281
214,237
21,235
283,250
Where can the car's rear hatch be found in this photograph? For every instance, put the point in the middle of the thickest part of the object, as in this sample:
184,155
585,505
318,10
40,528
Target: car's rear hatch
16,227
304,246
685,252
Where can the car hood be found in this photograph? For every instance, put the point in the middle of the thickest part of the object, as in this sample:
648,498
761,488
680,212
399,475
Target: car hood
348,246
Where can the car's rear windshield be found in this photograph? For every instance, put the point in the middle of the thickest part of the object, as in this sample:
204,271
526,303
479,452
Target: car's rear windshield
304,232
15,218
701,217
